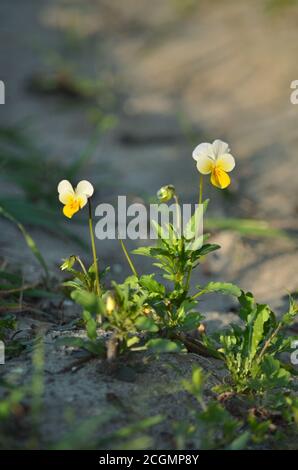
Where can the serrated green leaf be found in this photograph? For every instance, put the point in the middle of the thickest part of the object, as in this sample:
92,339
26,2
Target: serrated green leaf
226,288
149,283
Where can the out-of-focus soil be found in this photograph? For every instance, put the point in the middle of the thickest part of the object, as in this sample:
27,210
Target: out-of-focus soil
180,76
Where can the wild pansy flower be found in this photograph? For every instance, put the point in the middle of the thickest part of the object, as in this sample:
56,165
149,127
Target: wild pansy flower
74,199
215,159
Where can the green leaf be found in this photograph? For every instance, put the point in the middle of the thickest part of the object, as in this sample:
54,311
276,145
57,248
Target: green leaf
203,251
240,442
88,300
132,341
149,283
247,304
91,325
70,341
263,315
226,288
191,321
160,345
158,229
208,248
191,228
95,347
146,324
143,251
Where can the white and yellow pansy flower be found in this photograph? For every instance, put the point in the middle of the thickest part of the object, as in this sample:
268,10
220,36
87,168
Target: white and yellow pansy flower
215,159
74,199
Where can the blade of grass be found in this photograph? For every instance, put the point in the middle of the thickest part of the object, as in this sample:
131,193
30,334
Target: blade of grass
30,214
249,227
28,239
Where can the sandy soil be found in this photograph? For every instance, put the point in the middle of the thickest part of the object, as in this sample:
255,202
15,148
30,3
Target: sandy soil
222,72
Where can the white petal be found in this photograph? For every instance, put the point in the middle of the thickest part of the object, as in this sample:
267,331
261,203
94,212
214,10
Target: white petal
226,162
65,187
220,148
82,198
65,197
65,191
202,150
84,188
205,164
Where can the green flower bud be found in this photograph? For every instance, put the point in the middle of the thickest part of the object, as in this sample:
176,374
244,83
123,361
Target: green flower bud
68,263
165,193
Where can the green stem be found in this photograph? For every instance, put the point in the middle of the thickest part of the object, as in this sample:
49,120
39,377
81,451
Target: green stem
177,213
198,294
201,189
82,266
128,258
93,249
269,341
188,279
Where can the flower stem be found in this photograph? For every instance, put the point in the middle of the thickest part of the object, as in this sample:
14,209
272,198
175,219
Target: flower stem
188,279
178,221
201,189
93,249
82,266
129,260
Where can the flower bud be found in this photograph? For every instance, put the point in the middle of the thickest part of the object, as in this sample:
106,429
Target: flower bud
165,193
68,263
110,304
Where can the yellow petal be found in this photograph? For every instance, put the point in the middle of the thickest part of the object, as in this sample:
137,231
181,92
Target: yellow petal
82,200
70,209
226,162
219,178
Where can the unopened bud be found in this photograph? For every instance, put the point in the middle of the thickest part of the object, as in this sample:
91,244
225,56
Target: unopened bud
110,304
68,263
165,193
201,329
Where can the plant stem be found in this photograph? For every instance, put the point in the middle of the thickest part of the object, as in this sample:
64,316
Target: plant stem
177,213
82,266
128,257
198,294
188,279
93,249
201,189
268,342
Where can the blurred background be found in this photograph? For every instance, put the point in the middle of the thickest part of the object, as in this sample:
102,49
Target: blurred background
120,93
